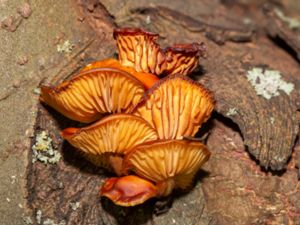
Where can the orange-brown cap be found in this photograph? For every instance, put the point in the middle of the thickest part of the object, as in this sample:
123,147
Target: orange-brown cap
183,58
93,93
147,79
168,163
176,106
138,49
128,190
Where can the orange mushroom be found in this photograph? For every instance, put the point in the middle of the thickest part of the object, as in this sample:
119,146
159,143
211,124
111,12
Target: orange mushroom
168,163
150,118
138,49
128,190
106,141
94,93
147,79
183,58
176,107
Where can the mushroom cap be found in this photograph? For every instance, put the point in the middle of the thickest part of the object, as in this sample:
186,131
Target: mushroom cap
138,49
115,134
133,31
176,106
183,58
93,93
147,79
168,163
128,190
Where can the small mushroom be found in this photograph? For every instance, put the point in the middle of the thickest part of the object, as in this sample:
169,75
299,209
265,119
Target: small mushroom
93,93
128,190
183,58
138,49
105,142
176,106
168,163
147,79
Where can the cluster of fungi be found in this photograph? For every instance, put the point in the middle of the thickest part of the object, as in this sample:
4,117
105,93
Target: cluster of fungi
146,109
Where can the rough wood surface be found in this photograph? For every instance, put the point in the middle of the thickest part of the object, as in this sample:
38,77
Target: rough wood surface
53,189
239,192
232,181
270,141
280,29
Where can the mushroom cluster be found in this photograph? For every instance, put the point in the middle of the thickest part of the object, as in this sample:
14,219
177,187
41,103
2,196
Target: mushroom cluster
143,123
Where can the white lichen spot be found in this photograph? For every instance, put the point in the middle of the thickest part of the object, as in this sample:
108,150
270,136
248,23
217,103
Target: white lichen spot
60,185
74,205
247,21
148,20
272,120
267,83
62,222
13,179
27,220
47,221
65,47
39,217
231,112
37,91
43,150
292,22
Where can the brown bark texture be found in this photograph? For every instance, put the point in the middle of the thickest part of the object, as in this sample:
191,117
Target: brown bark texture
252,176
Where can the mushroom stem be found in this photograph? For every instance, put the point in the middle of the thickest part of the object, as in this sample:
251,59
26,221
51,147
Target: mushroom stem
165,188
116,162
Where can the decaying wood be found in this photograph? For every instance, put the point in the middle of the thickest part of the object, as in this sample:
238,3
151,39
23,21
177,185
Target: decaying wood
236,184
214,29
270,141
269,127
53,189
232,181
278,28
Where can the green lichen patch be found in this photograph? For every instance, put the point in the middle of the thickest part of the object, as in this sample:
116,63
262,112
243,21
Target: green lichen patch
43,150
268,83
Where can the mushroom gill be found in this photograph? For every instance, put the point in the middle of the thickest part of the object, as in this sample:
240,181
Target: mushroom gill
168,163
176,106
143,139
110,138
94,93
138,49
